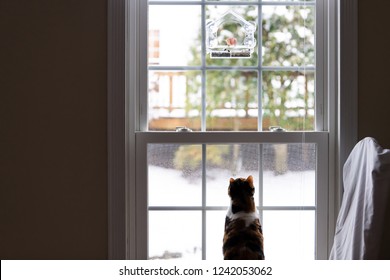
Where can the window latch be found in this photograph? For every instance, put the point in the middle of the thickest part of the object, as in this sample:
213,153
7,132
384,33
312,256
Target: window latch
183,129
277,129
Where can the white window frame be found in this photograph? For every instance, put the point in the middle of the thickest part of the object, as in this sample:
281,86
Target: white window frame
127,228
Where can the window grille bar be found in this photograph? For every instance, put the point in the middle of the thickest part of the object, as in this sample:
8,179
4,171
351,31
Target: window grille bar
204,160
231,3
260,108
259,68
260,207
289,208
224,208
231,137
243,68
203,128
203,55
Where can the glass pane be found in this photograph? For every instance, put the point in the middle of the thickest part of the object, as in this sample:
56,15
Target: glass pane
229,161
232,0
289,0
174,100
289,233
288,100
288,35
214,234
232,29
174,175
175,235
178,36
289,176
232,103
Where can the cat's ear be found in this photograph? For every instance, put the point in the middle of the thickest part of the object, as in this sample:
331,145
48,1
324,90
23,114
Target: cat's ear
231,180
250,179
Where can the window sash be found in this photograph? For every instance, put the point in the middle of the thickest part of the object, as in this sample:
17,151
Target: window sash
143,137
204,138
320,50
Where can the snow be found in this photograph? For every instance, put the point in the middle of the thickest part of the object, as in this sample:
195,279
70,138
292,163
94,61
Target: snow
286,233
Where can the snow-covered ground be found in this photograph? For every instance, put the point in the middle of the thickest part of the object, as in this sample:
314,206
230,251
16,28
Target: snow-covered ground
287,233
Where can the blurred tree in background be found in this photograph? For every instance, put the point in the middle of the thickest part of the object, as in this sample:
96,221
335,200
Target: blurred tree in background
287,96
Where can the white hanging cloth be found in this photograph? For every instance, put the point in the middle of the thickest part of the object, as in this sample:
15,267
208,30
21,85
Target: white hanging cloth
363,222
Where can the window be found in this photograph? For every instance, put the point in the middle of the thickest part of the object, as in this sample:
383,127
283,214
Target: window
240,98
154,46
229,138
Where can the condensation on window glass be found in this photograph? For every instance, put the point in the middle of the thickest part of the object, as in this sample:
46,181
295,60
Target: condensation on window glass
175,235
289,232
174,175
288,36
288,100
231,29
229,161
231,100
179,29
174,100
284,175
289,174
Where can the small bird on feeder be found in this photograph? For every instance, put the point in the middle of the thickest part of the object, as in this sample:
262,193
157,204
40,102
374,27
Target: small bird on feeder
231,41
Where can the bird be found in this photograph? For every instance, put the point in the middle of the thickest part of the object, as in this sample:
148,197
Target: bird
231,41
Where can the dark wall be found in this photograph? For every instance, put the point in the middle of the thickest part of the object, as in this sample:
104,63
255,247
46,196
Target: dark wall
374,73
53,175
374,82
53,190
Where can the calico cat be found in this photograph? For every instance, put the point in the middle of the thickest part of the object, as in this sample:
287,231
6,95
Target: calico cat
243,238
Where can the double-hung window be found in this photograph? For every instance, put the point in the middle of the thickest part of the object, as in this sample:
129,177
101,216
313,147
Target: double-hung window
228,89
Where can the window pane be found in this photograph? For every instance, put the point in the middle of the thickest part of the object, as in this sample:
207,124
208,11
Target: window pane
214,234
289,174
175,235
232,29
232,103
174,175
232,0
288,35
289,233
178,34
229,161
174,100
288,100
289,0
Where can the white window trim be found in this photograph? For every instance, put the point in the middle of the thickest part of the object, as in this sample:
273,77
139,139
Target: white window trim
123,83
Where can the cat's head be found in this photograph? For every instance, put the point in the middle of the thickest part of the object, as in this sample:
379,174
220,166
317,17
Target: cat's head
241,187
